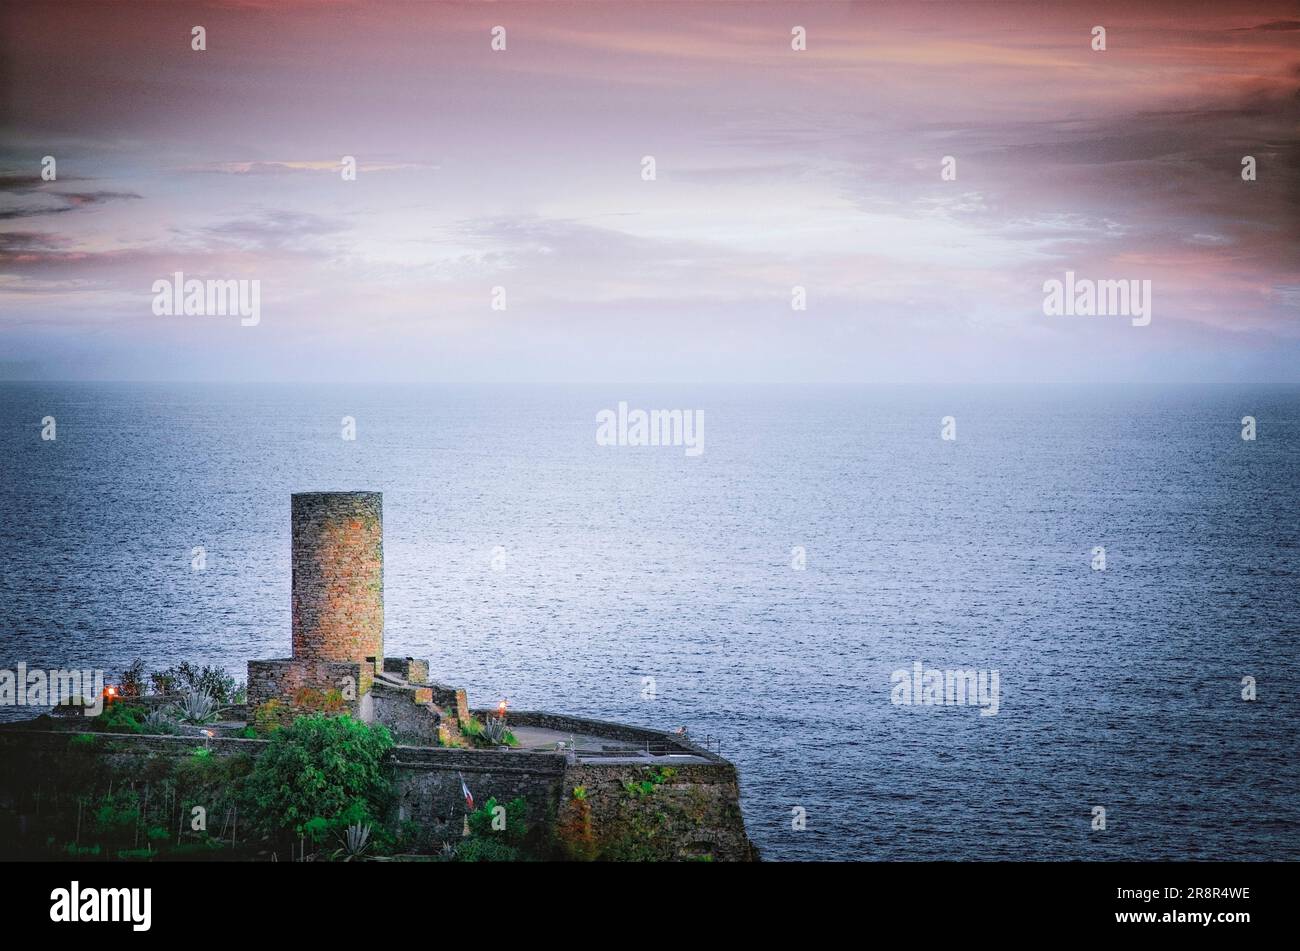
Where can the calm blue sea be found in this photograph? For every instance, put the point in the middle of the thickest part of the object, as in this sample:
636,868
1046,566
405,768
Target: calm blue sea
1118,688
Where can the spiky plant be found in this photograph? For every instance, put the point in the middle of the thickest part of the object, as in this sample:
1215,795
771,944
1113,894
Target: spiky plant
494,730
355,842
160,722
197,706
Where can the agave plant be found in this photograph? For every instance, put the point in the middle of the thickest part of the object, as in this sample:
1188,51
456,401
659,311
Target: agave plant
494,730
355,842
160,721
448,851
197,706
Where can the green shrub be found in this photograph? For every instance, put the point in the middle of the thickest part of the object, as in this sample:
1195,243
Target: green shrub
471,727
117,814
655,776
316,829
407,836
486,850
120,718
516,842
516,825
320,767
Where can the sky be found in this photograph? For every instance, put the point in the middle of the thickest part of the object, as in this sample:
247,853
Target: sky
774,168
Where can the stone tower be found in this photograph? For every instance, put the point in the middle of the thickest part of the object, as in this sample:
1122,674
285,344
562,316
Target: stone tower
337,541
338,577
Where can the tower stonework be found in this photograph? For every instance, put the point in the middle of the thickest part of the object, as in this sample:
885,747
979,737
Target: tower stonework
337,544
338,664
338,577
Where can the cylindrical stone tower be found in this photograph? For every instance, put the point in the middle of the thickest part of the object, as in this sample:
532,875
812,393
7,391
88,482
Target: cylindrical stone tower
338,576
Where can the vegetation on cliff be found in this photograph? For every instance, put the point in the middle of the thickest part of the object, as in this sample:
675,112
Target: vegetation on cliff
320,775
320,786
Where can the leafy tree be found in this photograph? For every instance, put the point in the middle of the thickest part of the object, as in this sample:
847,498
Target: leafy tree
187,677
132,681
321,773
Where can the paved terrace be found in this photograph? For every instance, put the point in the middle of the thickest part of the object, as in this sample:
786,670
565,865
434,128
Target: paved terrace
597,741
588,748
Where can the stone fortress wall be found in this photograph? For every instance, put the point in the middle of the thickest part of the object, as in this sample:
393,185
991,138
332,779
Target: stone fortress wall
631,793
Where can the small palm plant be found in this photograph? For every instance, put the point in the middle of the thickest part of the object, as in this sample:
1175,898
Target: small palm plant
197,706
355,842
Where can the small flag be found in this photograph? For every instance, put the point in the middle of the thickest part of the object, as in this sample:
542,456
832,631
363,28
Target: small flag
469,797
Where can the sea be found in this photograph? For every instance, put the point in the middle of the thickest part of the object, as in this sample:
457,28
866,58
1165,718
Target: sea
1120,556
